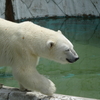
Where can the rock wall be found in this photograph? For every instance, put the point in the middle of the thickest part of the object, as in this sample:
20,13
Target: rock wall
51,8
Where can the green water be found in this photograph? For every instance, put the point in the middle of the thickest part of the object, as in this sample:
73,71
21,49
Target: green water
81,78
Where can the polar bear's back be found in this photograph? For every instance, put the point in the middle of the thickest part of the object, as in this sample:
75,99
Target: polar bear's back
5,22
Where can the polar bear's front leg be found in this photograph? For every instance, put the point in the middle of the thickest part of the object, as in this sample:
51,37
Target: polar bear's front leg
32,80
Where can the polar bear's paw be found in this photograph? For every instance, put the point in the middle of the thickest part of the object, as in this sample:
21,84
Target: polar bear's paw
48,88
52,88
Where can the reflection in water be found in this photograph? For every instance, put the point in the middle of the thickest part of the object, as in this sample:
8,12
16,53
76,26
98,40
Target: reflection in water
81,78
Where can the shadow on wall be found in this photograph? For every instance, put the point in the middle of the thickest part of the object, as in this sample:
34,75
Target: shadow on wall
9,14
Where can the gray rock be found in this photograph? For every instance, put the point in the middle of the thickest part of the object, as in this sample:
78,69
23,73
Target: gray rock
10,93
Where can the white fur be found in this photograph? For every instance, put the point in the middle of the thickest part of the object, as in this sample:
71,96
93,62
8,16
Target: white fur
22,44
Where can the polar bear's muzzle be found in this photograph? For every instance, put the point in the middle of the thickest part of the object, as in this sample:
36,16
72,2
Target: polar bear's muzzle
72,56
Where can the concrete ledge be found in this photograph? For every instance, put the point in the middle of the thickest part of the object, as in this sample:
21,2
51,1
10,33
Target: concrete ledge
10,93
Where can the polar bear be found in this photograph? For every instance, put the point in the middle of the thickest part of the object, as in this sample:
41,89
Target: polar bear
21,45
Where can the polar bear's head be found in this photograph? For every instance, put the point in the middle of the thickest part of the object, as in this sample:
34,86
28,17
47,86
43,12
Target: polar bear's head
61,50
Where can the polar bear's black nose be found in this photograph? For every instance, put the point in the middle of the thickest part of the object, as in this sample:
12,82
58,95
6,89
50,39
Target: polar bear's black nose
72,60
76,58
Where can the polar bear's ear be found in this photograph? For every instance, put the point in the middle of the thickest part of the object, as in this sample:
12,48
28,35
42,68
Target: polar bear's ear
59,31
50,44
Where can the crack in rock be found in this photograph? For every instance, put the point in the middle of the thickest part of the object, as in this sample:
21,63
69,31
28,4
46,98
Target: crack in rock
8,95
95,7
29,3
59,7
47,1
28,6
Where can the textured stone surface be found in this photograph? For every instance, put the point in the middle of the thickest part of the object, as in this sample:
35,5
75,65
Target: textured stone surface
38,8
2,8
45,8
9,93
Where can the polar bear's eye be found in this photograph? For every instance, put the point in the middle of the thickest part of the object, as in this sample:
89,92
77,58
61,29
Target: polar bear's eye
66,51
